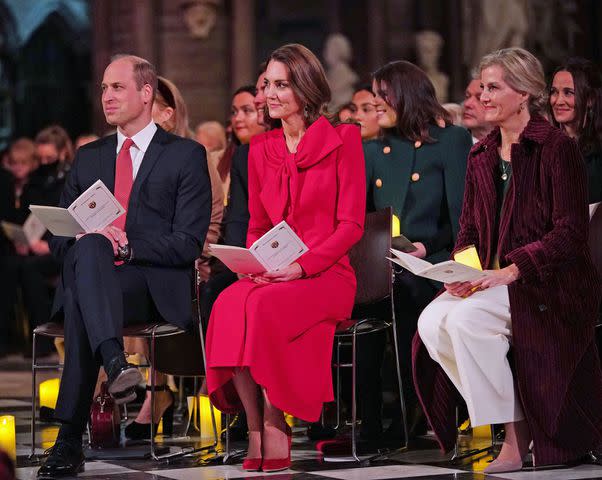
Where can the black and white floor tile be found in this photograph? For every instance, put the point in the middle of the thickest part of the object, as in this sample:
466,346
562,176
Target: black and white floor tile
425,462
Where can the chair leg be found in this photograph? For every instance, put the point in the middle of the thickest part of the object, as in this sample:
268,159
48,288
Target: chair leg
402,402
33,397
354,395
338,385
152,380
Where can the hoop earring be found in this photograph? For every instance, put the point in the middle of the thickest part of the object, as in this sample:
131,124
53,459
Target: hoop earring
306,112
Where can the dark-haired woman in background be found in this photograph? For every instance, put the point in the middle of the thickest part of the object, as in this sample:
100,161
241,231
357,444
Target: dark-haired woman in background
576,107
270,337
418,168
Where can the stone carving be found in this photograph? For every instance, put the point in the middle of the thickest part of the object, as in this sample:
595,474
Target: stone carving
489,25
428,52
200,16
342,79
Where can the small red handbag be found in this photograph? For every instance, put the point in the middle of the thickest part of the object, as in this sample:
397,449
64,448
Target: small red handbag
104,420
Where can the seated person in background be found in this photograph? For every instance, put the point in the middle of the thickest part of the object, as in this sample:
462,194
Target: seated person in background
455,112
576,107
364,112
234,232
212,135
84,139
418,169
473,116
29,267
171,114
345,113
137,269
7,201
525,211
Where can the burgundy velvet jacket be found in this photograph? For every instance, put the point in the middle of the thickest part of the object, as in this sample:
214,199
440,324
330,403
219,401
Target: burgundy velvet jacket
554,305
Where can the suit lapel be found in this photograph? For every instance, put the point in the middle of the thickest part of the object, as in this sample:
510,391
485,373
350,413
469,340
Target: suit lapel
153,152
108,156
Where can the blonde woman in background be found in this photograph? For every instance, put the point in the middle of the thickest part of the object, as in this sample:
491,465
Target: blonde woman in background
171,114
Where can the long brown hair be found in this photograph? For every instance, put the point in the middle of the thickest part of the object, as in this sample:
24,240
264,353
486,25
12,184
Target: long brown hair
308,81
408,90
588,102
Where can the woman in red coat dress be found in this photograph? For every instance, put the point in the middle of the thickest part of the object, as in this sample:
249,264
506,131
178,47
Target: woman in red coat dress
525,210
270,337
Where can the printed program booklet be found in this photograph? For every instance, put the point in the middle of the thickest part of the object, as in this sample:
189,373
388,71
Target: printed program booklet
446,272
93,210
277,249
27,234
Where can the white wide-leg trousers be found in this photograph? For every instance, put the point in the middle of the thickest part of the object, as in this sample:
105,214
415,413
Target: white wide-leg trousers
469,338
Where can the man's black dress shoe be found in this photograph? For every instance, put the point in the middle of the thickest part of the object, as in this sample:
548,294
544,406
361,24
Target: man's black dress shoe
122,379
65,459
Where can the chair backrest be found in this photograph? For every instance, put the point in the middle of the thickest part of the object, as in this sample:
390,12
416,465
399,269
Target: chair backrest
595,238
372,269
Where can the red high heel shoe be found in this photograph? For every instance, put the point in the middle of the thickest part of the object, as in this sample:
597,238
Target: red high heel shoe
278,464
252,464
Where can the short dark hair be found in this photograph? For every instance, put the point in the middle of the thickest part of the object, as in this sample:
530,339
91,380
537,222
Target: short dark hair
144,71
365,87
245,88
408,90
588,102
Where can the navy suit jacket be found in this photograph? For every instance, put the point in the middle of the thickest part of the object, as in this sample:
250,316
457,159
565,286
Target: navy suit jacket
236,221
167,216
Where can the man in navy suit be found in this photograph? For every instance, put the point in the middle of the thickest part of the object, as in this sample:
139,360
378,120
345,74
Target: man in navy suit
129,272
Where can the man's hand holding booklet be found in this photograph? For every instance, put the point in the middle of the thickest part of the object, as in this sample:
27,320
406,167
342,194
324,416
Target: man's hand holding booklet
277,249
446,272
93,210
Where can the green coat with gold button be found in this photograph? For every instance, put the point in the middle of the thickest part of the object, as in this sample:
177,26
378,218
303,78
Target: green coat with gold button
423,183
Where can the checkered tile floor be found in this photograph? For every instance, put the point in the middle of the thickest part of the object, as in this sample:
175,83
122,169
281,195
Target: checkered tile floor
424,462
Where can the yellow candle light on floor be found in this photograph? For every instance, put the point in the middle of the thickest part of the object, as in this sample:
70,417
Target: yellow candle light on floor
7,436
395,227
49,392
205,417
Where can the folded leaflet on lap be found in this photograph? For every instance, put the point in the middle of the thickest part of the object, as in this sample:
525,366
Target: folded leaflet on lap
277,249
93,210
446,272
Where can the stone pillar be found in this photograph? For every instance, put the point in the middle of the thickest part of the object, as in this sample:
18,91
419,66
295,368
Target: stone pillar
101,48
244,64
377,31
144,30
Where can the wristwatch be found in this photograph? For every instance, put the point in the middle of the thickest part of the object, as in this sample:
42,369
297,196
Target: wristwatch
124,253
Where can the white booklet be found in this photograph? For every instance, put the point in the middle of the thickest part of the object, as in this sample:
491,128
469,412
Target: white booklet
93,210
27,234
277,249
446,272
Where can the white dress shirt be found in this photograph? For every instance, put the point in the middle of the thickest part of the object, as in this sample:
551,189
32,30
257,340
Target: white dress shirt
141,142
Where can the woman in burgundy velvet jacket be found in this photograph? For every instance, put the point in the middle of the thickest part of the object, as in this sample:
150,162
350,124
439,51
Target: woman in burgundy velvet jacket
525,210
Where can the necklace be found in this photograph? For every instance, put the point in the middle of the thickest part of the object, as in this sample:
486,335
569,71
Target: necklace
505,167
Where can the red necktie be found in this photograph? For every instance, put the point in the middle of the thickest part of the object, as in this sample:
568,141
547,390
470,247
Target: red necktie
124,178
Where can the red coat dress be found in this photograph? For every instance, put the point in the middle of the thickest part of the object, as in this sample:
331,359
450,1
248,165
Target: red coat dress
283,332
543,230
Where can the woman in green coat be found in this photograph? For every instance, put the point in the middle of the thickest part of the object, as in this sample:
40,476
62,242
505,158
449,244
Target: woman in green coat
418,169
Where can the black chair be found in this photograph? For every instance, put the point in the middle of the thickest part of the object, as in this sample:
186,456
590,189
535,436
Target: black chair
374,275
172,351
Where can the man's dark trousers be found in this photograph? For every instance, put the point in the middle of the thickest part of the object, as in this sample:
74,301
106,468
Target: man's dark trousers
99,299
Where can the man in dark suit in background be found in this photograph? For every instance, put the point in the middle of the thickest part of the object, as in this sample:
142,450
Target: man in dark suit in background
136,269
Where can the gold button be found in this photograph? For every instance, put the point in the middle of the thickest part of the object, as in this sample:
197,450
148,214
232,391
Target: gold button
417,144
387,150
415,177
379,183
